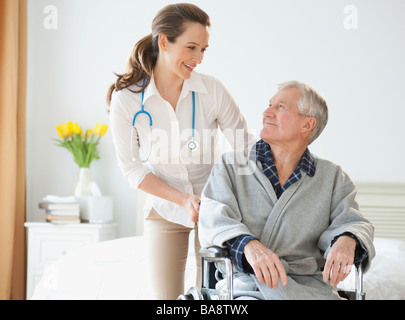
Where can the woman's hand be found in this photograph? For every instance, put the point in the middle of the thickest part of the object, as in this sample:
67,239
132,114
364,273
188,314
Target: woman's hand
157,187
191,203
340,260
265,263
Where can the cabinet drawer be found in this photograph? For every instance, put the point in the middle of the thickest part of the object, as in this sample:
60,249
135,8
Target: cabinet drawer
53,248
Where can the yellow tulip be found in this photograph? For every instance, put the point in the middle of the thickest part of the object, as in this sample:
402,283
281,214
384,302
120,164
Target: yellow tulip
97,128
59,128
67,129
100,129
104,128
76,128
89,132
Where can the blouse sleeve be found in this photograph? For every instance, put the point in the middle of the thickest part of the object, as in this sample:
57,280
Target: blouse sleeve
120,125
231,121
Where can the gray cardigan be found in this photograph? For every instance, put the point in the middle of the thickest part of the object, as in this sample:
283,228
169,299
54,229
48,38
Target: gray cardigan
299,227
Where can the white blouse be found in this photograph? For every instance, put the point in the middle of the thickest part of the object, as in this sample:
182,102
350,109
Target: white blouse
169,158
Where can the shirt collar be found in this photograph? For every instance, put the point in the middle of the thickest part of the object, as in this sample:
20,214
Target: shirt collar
261,152
151,89
194,83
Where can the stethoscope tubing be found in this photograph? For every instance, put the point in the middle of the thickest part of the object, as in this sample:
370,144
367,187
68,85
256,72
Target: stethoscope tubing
193,122
142,109
191,144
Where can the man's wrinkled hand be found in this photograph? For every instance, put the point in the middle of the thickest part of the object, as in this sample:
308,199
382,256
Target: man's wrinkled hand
340,260
265,263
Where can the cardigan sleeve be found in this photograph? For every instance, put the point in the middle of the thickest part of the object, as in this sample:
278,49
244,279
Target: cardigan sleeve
220,217
345,217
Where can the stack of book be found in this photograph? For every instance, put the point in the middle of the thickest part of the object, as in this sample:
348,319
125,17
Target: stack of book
61,210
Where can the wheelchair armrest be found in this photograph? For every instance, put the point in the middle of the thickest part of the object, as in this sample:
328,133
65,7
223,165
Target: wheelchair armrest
358,292
215,252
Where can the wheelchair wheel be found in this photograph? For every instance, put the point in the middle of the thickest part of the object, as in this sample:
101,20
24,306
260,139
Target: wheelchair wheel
192,294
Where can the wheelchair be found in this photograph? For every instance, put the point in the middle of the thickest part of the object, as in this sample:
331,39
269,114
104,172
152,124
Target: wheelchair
210,275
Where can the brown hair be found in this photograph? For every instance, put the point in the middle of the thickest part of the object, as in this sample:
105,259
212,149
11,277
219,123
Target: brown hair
170,21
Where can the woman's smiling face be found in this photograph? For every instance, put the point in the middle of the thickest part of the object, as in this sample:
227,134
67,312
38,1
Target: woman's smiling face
183,55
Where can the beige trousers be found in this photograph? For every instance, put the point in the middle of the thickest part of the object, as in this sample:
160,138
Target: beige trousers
167,248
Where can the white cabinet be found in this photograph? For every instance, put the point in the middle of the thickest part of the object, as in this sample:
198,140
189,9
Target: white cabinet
47,242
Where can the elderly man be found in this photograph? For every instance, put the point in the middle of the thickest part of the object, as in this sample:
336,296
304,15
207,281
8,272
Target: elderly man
289,218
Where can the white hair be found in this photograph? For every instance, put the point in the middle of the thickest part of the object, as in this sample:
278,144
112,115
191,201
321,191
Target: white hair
311,104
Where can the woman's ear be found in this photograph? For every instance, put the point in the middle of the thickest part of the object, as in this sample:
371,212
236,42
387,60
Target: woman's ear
162,41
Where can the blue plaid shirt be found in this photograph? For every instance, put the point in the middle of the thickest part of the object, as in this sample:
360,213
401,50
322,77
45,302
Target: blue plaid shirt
307,164
263,154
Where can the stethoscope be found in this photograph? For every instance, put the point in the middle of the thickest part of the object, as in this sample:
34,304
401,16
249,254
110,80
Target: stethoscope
191,144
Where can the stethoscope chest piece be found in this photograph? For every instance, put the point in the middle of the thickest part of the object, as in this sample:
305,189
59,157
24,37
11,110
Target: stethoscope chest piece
192,144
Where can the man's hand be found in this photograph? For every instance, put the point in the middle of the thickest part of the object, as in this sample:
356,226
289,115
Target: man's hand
265,263
340,260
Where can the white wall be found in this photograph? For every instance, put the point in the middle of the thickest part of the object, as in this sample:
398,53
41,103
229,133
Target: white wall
254,45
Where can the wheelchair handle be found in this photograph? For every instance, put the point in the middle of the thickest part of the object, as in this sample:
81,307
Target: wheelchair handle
214,252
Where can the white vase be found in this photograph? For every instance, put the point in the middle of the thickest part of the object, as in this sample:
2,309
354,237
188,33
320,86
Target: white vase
85,185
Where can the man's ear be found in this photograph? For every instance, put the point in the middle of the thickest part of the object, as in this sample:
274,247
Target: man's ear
162,41
309,124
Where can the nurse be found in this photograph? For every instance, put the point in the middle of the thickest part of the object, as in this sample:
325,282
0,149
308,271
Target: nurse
165,120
